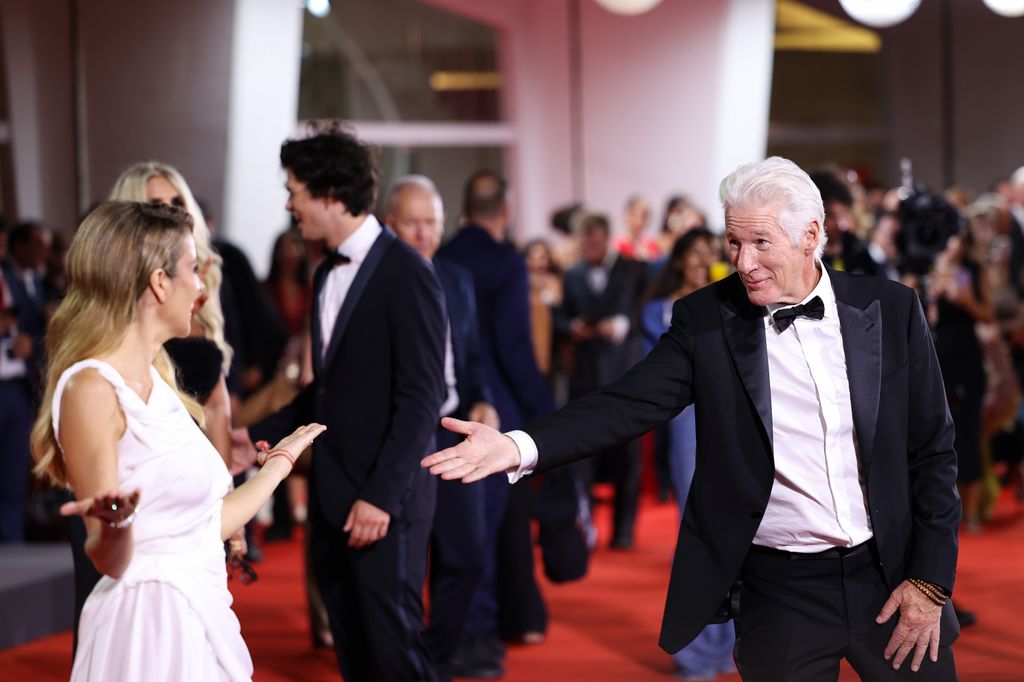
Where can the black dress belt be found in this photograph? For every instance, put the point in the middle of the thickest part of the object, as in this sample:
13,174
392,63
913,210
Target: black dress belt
831,553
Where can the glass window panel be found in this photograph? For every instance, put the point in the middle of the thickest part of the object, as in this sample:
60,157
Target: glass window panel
448,167
398,60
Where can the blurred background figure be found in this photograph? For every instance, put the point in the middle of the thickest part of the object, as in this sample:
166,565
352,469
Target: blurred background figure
634,242
880,254
545,295
688,269
22,326
598,304
960,294
842,242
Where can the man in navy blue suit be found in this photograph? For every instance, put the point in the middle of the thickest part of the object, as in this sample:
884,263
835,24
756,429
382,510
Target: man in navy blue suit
416,214
521,394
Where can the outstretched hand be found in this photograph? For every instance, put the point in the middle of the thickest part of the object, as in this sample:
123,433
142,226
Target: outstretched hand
114,508
485,451
917,630
299,440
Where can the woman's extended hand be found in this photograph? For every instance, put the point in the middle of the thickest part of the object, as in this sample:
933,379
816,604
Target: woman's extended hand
116,509
300,439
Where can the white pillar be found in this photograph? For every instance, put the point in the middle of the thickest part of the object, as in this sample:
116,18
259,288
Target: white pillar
744,94
265,64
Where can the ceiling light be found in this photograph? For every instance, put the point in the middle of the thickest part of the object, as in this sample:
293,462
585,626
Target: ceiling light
1006,8
628,6
318,8
880,13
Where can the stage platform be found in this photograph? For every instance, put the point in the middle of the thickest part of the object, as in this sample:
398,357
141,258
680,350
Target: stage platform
37,591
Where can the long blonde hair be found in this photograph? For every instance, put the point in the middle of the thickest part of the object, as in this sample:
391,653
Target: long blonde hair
111,258
132,186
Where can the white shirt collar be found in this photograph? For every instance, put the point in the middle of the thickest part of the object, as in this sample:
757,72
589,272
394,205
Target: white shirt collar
359,243
822,289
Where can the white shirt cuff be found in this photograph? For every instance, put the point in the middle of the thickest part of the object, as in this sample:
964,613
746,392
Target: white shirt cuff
527,455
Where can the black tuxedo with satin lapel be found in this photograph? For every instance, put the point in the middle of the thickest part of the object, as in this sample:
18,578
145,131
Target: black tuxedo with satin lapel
378,388
714,355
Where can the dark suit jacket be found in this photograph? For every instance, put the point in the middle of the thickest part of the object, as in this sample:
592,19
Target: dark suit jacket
598,362
31,315
460,302
378,390
503,307
714,354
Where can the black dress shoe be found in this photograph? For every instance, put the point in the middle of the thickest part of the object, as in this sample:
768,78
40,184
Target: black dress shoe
479,669
622,542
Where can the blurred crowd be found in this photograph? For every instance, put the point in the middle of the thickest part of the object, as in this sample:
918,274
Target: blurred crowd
587,301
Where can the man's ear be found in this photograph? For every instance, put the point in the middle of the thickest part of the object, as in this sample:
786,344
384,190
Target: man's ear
160,285
812,236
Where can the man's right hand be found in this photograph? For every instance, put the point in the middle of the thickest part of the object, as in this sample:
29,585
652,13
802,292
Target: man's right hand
485,451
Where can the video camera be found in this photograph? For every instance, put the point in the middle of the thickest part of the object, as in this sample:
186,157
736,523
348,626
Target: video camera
927,221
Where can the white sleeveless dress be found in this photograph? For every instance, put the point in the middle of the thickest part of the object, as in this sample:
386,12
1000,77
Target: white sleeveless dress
169,616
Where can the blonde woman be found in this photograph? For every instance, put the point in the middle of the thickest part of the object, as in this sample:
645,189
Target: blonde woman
157,183
115,429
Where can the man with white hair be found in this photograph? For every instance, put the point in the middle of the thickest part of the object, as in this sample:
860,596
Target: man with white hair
824,502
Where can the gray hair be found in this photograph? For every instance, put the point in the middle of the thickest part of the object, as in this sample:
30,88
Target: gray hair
779,184
406,181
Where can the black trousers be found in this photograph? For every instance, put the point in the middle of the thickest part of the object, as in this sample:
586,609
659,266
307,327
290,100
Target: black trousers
799,616
374,600
457,546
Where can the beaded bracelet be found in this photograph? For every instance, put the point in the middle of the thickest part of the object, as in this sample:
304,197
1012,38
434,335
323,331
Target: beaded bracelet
935,594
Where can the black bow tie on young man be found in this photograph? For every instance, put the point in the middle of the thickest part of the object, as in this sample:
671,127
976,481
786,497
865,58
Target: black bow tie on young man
334,259
814,309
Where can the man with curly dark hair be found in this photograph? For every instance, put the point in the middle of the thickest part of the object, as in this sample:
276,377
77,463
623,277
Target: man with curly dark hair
378,331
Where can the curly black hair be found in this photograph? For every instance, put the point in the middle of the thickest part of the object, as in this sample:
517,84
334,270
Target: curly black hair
333,163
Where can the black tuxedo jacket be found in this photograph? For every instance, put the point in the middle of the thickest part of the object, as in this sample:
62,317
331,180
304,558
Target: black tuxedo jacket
714,355
378,388
598,362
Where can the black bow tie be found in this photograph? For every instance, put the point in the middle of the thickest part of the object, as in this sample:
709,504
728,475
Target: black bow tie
334,259
813,309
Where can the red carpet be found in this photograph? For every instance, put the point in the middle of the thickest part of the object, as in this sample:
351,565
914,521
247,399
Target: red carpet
604,627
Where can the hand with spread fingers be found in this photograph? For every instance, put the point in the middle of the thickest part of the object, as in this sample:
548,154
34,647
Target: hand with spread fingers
485,451
916,631
115,509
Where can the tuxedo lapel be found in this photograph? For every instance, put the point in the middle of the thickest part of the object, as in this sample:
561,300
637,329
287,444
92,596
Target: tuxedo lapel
355,292
314,323
744,334
862,343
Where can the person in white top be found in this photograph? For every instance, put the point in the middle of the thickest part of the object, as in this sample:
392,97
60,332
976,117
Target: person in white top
154,493
823,511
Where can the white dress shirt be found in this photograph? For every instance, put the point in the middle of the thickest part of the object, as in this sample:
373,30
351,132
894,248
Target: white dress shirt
452,400
339,279
817,499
